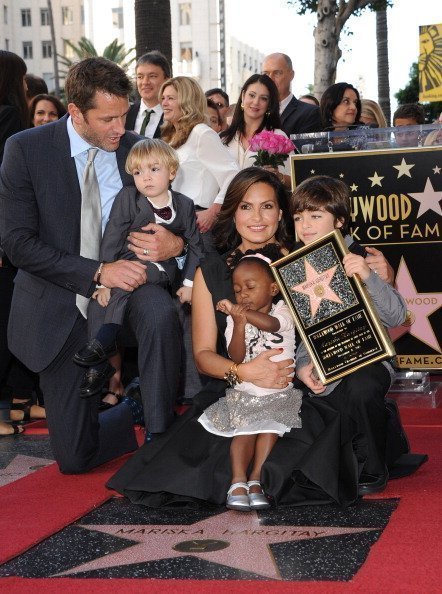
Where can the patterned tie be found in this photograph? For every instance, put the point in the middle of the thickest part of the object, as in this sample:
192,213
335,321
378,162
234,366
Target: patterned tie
164,213
90,230
146,121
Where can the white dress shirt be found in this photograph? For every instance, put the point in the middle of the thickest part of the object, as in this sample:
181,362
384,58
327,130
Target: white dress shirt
155,118
246,158
283,104
206,167
106,168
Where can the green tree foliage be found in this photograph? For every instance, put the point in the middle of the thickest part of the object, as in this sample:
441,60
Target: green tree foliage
410,94
85,49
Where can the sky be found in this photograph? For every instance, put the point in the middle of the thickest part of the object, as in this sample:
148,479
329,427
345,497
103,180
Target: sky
273,25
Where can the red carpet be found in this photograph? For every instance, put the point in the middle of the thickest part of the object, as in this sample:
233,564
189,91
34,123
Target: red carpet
405,559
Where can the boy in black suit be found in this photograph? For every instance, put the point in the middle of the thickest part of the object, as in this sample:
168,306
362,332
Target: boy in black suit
154,164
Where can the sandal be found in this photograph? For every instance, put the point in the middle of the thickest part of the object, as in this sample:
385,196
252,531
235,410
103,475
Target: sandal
107,405
257,500
25,407
238,502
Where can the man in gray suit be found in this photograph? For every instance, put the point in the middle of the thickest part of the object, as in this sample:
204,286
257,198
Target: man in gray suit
297,117
41,201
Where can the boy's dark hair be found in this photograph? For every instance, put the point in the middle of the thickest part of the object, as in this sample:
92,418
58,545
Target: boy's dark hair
90,75
36,85
323,192
157,59
410,111
217,91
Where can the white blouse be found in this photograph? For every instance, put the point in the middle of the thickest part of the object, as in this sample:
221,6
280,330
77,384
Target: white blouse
246,158
206,167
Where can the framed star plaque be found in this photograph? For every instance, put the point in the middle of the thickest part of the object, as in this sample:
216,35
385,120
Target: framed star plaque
333,313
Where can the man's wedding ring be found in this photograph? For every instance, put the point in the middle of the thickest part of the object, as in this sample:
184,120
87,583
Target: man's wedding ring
146,252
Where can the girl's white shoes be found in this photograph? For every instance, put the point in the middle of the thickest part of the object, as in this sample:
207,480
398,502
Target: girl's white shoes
257,500
238,502
246,502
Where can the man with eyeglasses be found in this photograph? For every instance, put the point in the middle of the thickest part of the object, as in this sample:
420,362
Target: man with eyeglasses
221,100
146,116
297,117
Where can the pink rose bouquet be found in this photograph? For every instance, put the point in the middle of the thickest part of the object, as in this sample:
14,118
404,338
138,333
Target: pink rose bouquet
272,149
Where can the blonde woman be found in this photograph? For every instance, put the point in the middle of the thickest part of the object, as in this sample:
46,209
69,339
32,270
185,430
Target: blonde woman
372,114
206,166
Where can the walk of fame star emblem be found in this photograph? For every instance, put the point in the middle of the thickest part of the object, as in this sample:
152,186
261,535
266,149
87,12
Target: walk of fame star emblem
122,540
317,286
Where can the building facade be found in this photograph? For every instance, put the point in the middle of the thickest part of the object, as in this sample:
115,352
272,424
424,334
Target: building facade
201,44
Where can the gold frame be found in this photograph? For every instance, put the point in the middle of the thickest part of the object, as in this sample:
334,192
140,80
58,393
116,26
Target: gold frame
373,328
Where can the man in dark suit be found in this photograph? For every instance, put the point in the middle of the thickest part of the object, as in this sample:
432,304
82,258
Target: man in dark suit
297,117
146,115
41,183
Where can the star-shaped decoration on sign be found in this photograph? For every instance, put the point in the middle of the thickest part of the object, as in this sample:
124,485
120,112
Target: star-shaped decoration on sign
419,307
354,188
403,169
376,180
341,175
428,199
436,169
317,286
232,539
312,171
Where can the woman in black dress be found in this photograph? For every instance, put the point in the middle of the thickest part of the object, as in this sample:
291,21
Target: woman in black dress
187,465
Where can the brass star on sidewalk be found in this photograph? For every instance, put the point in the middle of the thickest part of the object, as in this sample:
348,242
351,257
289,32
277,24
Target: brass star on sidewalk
317,287
232,539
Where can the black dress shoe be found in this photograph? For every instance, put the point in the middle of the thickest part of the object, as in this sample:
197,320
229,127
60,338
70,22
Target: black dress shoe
370,483
94,353
94,380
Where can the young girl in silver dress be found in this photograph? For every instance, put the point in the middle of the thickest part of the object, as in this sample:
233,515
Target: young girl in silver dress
255,417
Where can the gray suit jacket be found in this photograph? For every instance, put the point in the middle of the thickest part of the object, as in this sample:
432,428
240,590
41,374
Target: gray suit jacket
40,202
131,211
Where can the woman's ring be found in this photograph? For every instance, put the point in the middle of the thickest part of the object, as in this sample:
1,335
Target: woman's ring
146,252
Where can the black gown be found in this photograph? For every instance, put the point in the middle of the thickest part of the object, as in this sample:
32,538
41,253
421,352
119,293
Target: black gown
188,466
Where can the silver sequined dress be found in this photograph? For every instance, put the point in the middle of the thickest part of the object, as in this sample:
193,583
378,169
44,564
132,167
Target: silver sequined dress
249,409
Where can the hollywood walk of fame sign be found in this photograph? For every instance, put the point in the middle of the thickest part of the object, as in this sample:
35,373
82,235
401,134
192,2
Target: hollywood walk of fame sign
333,313
396,206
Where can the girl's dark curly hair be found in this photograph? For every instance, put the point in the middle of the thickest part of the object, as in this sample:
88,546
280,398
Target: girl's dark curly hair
272,251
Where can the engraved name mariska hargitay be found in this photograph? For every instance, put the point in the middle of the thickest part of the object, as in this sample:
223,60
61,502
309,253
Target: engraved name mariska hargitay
318,285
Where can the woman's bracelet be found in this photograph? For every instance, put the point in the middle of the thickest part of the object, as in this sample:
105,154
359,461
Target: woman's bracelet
231,376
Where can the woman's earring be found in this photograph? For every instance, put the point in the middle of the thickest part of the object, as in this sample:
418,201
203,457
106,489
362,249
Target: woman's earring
242,106
267,113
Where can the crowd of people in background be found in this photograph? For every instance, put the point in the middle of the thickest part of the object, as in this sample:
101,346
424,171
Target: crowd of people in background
202,152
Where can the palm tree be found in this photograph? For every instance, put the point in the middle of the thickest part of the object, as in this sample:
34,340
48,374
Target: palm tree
382,62
85,49
153,29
